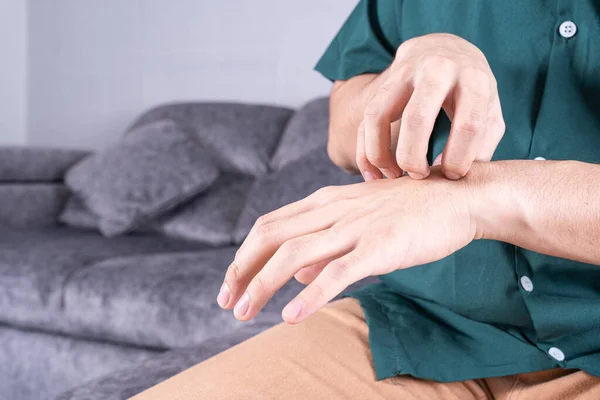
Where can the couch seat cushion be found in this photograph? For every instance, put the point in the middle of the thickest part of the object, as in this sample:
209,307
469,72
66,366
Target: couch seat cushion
161,300
36,265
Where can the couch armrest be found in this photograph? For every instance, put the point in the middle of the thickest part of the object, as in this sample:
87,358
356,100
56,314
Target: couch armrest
36,164
31,205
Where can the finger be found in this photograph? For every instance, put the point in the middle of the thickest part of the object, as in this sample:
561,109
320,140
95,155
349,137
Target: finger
472,98
319,198
368,171
290,258
438,160
336,276
264,241
431,89
494,131
385,107
308,274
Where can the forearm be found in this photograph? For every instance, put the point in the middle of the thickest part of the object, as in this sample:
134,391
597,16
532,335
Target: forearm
550,207
347,105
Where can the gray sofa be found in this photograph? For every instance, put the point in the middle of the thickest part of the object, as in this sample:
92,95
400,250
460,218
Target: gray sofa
83,316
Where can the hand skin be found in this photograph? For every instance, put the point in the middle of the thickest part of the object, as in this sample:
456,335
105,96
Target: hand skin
392,114
340,235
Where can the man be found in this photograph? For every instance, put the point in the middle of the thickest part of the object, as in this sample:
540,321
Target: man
515,316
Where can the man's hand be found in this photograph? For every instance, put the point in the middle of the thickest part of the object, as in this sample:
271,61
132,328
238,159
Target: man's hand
340,235
430,73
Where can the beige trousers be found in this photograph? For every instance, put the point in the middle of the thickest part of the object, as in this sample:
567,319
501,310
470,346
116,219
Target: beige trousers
328,357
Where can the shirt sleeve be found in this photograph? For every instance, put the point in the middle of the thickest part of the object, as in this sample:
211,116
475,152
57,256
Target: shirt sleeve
360,46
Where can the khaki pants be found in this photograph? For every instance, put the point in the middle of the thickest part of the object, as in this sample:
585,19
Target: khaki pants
328,357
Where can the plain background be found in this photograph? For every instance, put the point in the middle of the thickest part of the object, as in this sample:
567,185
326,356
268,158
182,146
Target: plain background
76,73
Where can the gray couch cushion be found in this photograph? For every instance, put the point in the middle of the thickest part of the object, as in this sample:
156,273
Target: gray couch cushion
38,366
161,300
210,217
151,170
306,131
75,214
292,183
37,264
31,204
241,137
36,164
127,382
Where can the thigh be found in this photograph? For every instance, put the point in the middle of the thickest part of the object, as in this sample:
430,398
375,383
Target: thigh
325,357
554,384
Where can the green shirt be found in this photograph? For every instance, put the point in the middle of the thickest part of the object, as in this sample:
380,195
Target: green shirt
491,309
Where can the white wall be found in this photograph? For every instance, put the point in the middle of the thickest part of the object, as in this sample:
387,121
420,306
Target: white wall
13,72
96,64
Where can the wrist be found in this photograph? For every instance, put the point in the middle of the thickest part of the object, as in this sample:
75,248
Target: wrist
496,209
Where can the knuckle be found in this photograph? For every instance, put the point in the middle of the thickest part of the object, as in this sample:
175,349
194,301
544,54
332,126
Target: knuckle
361,159
293,247
477,80
414,118
431,83
340,269
374,110
318,291
472,126
380,158
438,62
499,124
402,71
325,193
343,268
264,233
260,285
262,221
234,271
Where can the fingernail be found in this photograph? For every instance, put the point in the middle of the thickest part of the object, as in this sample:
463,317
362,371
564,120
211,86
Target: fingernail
223,297
389,173
438,160
241,308
292,310
452,175
368,176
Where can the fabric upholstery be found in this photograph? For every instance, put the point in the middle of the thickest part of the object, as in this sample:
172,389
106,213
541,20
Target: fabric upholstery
306,131
292,183
125,383
36,164
130,381
210,217
39,366
241,137
36,265
31,204
163,300
76,215
151,170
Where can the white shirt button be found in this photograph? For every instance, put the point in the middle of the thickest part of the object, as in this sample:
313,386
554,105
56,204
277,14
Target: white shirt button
526,283
539,159
556,353
567,29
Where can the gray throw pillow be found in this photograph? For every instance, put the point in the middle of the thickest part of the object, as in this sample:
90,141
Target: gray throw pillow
152,169
241,137
210,217
306,131
291,183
